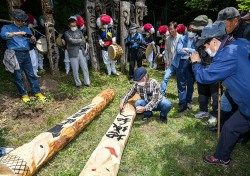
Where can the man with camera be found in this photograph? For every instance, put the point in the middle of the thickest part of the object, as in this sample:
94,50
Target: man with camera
230,64
18,38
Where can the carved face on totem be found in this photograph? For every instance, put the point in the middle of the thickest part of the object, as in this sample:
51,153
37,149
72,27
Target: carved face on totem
91,11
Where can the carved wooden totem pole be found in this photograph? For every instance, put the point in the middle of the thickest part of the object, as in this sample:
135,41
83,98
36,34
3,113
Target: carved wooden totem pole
50,35
141,11
91,30
124,24
115,15
13,4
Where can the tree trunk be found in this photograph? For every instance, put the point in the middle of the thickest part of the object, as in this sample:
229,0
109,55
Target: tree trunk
92,36
50,35
124,23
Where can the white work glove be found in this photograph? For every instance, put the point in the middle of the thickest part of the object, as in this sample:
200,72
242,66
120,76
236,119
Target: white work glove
101,43
163,52
152,43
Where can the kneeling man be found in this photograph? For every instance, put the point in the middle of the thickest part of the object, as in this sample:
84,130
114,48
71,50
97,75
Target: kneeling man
151,96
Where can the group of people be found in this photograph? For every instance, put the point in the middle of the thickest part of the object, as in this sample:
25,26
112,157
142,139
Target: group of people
205,52
208,53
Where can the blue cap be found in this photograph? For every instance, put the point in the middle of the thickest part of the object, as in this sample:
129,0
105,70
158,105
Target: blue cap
139,73
217,29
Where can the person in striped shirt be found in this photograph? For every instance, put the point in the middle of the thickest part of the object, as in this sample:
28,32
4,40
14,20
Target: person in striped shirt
151,97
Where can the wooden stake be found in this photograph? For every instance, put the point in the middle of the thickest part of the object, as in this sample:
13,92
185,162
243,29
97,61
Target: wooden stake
219,100
27,159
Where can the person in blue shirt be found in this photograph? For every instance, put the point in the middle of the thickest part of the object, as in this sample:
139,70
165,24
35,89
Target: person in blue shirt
230,64
185,78
19,37
134,41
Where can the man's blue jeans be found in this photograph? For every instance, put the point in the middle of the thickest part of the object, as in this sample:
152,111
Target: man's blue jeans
26,66
164,107
185,82
168,73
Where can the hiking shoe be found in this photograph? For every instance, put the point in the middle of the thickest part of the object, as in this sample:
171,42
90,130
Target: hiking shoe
189,105
4,151
212,120
213,160
201,114
163,119
25,98
146,117
40,96
182,108
115,73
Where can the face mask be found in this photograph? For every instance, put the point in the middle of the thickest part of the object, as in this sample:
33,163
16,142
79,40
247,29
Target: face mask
210,53
142,84
105,26
30,25
191,34
73,28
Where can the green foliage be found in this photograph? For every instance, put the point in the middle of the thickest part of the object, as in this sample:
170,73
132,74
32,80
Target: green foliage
244,5
209,5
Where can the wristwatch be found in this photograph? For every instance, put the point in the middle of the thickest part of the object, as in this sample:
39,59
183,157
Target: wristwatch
195,62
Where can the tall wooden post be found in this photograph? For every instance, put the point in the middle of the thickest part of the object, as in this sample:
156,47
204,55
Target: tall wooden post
124,23
91,27
141,11
50,35
13,4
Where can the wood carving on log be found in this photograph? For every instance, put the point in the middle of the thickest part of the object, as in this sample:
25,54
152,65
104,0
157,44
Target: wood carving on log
92,35
115,15
141,11
27,159
124,24
105,159
132,13
50,35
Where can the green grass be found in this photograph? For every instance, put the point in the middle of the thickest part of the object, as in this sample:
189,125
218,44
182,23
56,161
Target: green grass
153,149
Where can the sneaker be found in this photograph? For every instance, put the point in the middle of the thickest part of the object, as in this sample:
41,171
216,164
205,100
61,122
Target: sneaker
4,151
40,96
25,98
163,119
182,108
189,105
213,160
146,117
212,120
116,74
80,86
201,114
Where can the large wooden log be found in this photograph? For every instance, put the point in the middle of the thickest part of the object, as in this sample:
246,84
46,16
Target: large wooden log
27,159
105,160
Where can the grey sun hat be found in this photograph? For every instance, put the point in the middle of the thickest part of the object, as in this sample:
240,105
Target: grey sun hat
217,29
133,26
228,13
201,21
19,15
